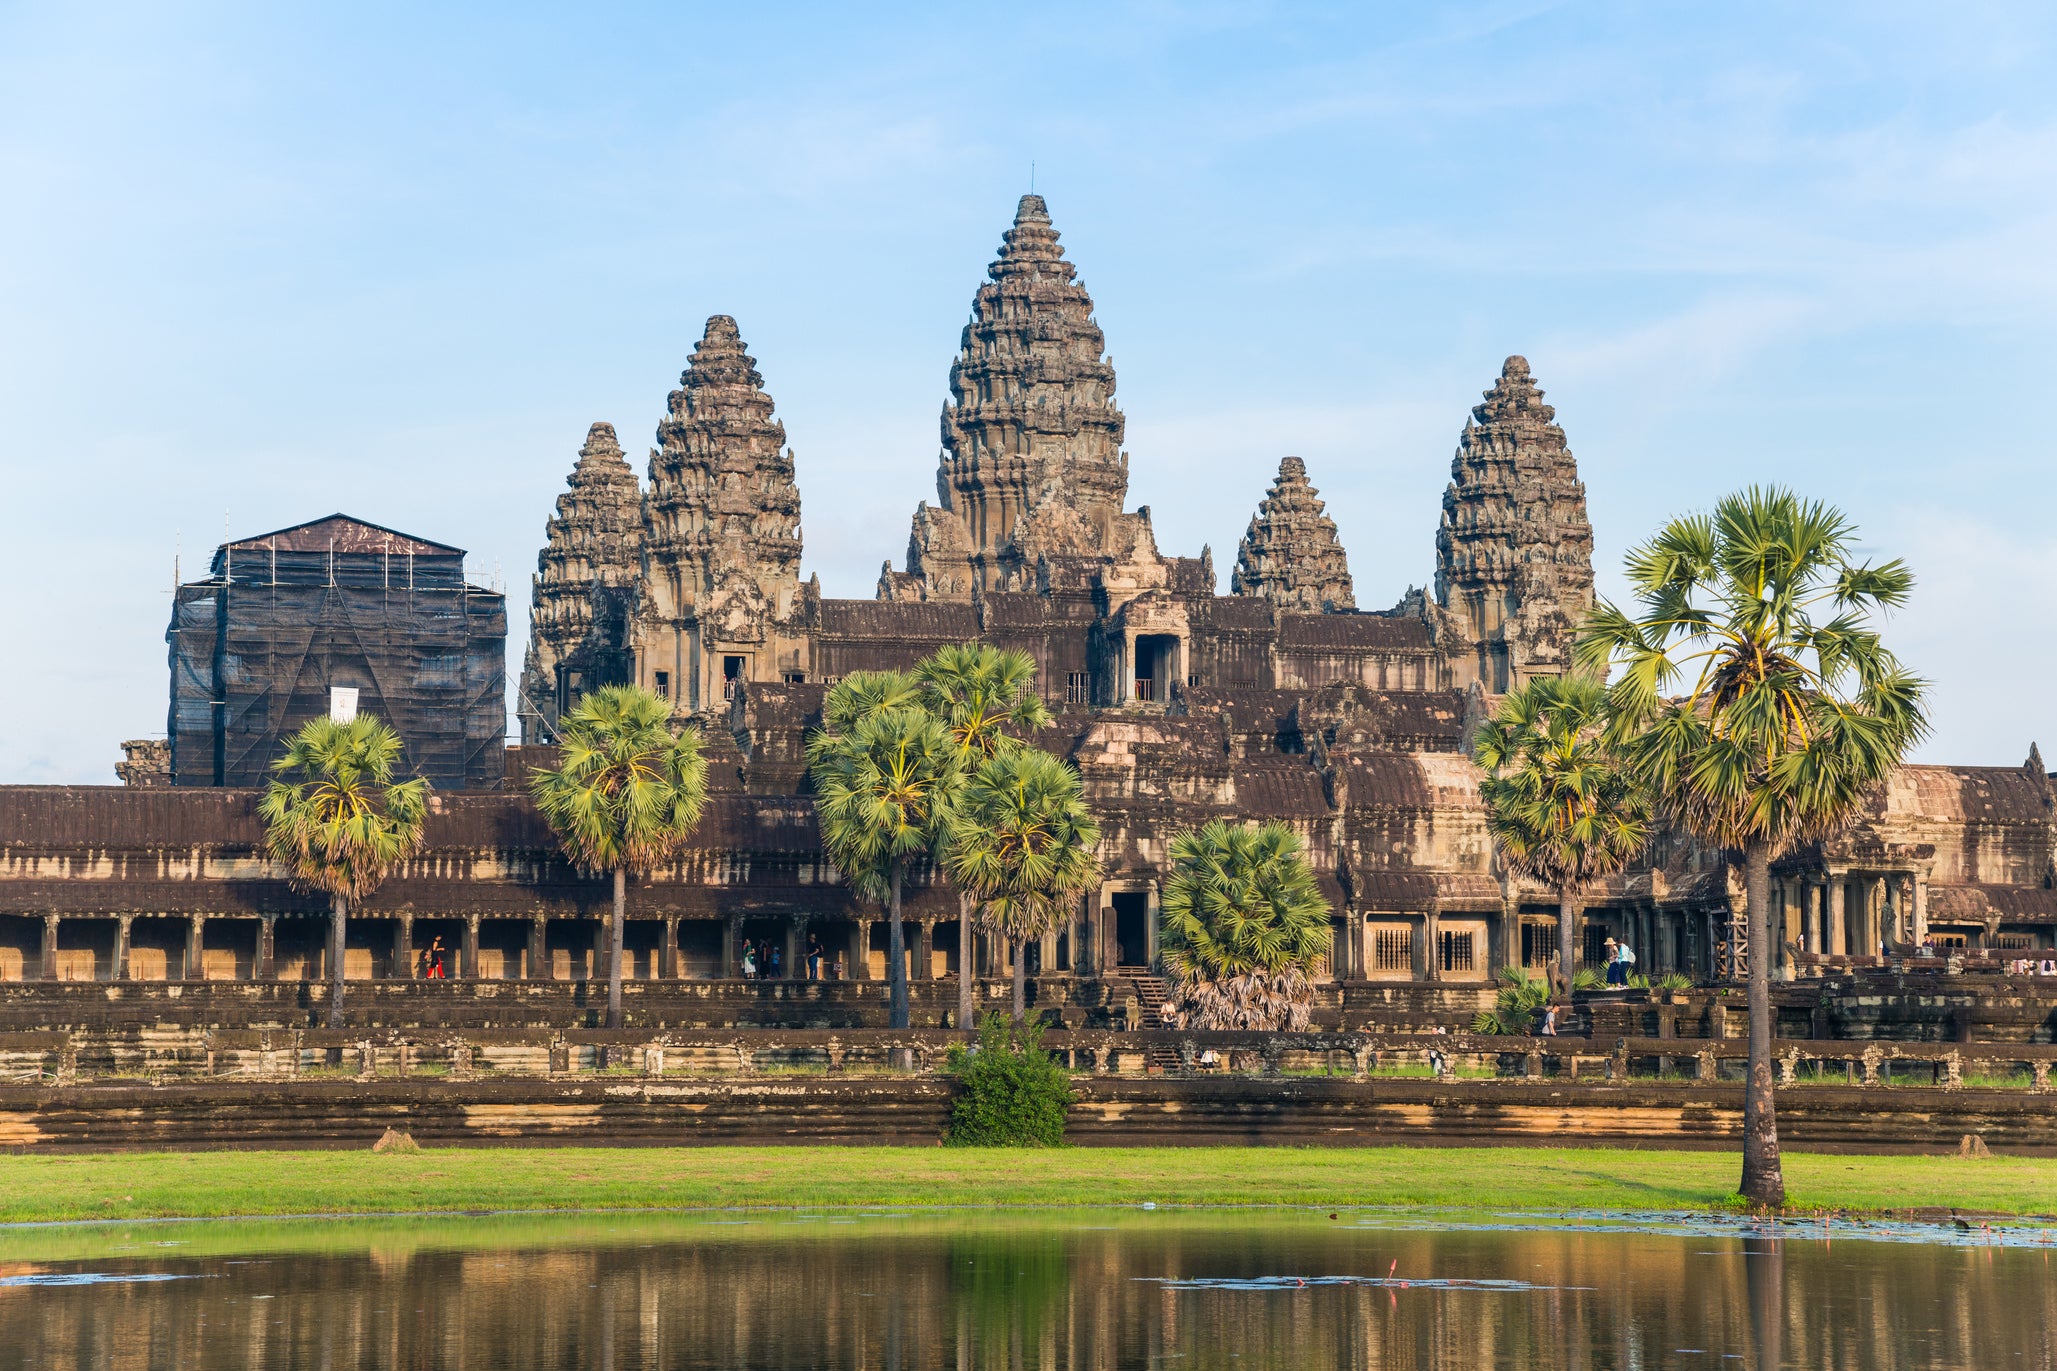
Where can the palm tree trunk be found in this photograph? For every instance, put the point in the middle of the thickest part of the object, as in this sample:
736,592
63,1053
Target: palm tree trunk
965,962
339,909
896,956
1764,1182
1020,979
621,899
1567,932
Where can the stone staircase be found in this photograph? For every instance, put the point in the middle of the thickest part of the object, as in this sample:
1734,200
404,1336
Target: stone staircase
1150,993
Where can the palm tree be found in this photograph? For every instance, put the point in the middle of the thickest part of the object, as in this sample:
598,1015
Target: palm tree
884,774
980,692
1244,923
338,821
1793,710
625,796
1022,843
1558,803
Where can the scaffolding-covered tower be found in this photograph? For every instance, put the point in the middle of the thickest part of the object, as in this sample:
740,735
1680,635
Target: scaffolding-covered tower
287,624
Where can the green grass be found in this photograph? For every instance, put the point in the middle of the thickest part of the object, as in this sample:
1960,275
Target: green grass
41,1188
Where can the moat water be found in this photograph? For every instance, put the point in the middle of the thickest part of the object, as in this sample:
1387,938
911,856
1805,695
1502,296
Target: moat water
1094,1289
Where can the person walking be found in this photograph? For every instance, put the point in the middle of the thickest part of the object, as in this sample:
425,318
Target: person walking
435,959
1614,975
1549,1020
749,961
1625,958
813,957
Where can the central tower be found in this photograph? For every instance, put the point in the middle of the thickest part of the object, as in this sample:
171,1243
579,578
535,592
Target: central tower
1032,458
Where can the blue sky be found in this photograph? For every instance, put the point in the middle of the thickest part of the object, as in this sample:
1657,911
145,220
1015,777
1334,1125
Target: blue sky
261,263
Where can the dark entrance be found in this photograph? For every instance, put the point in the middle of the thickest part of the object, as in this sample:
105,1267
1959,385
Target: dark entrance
731,675
1156,665
1132,928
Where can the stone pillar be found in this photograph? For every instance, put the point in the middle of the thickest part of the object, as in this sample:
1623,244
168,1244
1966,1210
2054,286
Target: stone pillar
1151,927
668,950
1510,932
1920,908
1432,928
1875,921
403,948
470,969
267,947
1836,928
539,948
792,961
195,942
731,948
1420,948
860,949
120,970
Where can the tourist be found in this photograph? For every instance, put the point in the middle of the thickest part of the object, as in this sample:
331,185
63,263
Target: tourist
771,962
749,960
813,958
1625,958
1615,975
2046,967
435,958
1549,1020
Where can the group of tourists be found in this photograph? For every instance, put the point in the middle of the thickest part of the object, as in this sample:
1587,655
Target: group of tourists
2029,966
1621,961
763,959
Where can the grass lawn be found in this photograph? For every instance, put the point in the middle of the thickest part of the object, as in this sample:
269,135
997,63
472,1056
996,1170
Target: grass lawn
218,1184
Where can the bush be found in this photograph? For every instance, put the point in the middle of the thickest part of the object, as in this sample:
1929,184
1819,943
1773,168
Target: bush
1013,1093
1519,1005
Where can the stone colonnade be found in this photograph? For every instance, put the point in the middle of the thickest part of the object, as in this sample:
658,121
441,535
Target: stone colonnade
1844,912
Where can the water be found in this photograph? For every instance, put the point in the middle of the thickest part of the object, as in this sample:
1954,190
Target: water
1185,1289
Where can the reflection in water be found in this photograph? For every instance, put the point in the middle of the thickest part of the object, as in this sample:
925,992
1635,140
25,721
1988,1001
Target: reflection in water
1189,1290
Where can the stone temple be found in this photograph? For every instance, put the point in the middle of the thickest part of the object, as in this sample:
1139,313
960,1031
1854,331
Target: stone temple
1282,698
1031,543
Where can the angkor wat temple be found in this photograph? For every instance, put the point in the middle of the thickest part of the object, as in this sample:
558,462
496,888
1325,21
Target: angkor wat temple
1280,699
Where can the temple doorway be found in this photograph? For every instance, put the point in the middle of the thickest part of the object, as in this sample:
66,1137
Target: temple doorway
1131,927
1156,665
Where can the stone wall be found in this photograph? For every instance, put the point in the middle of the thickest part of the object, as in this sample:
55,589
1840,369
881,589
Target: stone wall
1111,1112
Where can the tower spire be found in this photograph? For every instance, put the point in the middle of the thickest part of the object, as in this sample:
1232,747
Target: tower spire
1514,552
1032,456
1290,555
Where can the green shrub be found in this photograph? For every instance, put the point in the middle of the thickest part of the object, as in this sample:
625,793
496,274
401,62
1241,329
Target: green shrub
1013,1093
1674,980
1519,1004
1585,978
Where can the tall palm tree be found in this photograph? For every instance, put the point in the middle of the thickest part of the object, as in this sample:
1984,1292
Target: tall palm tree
985,696
1022,843
1558,803
338,822
1792,709
1244,924
624,798
884,773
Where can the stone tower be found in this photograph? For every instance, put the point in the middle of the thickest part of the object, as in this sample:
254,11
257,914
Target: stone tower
1032,460
721,589
584,587
1514,552
1290,554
